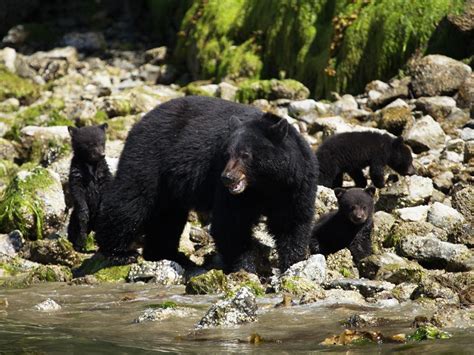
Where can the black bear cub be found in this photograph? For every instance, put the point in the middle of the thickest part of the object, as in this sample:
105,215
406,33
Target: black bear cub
352,151
348,227
88,175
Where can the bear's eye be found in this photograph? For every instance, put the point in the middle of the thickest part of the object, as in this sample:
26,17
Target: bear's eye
245,155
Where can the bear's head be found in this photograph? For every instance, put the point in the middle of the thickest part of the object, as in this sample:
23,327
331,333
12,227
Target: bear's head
88,143
401,159
255,151
356,204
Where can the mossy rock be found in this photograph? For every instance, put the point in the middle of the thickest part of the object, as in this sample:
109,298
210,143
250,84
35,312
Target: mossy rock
297,286
213,281
32,203
120,126
8,170
195,89
251,90
43,273
113,273
240,279
404,228
428,332
395,119
52,251
13,86
92,265
163,305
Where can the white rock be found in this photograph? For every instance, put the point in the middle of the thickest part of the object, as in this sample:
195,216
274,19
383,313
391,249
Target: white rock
345,103
467,134
298,108
210,89
325,202
337,124
10,244
313,269
59,133
444,217
227,91
397,103
163,272
48,305
415,214
8,56
425,134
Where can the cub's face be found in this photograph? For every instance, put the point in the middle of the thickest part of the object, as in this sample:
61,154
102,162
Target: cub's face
251,153
401,159
88,143
357,204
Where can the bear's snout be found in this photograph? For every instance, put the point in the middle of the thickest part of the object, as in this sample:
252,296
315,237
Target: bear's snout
411,170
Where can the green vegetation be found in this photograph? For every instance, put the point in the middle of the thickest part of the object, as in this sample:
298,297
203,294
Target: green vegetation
163,305
20,208
14,86
327,45
113,273
428,332
213,281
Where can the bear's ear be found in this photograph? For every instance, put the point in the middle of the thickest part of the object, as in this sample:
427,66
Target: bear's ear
370,190
234,122
279,130
71,130
339,192
103,126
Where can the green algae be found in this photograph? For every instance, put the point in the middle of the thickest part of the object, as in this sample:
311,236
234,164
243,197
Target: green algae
213,281
250,90
14,86
428,332
113,273
297,286
19,206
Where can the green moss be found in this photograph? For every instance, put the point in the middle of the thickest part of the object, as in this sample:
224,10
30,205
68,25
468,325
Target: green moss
20,208
14,86
90,245
100,117
113,273
213,281
297,286
8,169
163,305
194,89
250,90
428,332
92,265
51,273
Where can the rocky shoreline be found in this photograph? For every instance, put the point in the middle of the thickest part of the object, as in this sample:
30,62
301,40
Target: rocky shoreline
423,227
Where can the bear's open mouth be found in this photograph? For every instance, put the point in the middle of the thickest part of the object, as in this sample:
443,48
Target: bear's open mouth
238,187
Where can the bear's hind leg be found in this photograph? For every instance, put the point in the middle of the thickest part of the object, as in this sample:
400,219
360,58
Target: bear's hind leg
78,228
162,235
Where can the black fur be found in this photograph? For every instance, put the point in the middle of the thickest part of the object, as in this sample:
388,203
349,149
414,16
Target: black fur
348,227
351,152
88,176
214,156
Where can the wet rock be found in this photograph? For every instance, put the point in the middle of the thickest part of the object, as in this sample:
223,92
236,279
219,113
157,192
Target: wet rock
438,107
112,273
325,201
390,267
313,269
52,251
298,286
163,312
436,75
367,288
33,203
403,291
408,191
341,264
48,305
432,289
85,41
85,280
365,320
348,337
425,134
237,280
316,294
428,332
444,217
433,253
451,316
10,244
242,308
163,272
213,281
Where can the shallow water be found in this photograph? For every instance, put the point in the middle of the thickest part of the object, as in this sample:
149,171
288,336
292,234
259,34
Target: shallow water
99,319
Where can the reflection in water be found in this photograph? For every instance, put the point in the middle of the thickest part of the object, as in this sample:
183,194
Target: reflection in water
99,319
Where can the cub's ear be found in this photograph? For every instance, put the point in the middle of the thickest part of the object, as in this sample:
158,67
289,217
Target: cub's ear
103,126
371,190
234,123
279,130
71,130
339,192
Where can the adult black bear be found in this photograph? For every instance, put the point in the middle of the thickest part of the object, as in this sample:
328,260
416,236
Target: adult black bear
348,227
88,176
352,151
214,156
